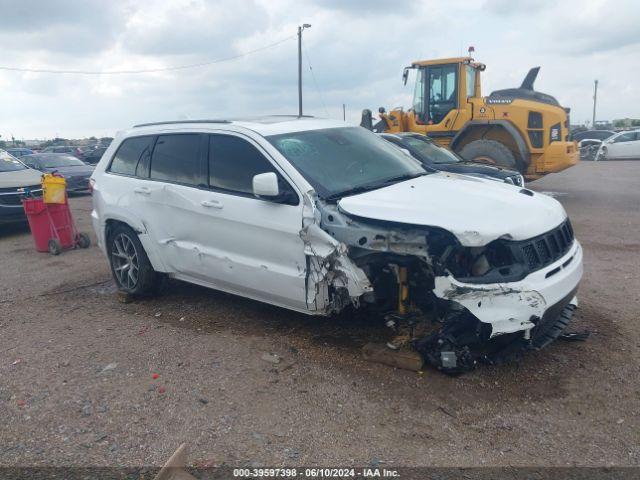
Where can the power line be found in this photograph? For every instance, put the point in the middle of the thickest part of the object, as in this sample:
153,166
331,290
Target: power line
313,75
149,70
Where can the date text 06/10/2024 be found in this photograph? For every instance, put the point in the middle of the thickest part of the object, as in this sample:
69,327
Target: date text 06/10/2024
315,473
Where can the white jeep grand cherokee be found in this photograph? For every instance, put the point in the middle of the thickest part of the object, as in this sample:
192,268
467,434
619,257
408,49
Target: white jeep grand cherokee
318,216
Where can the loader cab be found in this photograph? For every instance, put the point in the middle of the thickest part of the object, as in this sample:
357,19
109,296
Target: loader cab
442,92
435,93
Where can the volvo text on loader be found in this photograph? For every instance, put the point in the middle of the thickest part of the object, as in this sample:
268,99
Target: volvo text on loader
518,128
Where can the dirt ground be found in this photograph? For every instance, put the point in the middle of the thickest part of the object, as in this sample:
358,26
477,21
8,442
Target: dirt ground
77,386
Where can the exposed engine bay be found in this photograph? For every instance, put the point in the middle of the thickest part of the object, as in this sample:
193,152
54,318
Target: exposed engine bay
456,305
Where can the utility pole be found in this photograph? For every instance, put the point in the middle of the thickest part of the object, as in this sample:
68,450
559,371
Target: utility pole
595,96
344,112
300,29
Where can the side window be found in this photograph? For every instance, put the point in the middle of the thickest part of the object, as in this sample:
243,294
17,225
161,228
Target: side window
418,94
233,162
471,80
128,156
176,158
397,143
625,137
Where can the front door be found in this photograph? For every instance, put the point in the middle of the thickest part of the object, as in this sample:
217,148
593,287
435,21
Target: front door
248,245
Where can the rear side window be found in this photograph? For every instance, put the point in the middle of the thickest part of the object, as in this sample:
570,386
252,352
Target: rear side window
233,162
176,158
625,137
129,154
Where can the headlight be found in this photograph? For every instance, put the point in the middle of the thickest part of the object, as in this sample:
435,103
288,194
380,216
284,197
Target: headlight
493,263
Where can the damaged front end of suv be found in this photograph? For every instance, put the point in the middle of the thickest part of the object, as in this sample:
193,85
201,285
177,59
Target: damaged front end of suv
455,293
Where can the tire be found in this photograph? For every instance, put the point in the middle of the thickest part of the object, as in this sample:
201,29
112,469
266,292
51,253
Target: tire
491,151
130,266
83,240
543,335
54,247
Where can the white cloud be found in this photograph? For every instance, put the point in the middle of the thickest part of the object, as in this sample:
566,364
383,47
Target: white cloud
357,50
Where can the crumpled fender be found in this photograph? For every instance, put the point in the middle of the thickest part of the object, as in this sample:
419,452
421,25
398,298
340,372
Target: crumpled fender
329,265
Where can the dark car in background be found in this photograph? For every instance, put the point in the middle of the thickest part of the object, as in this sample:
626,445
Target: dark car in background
93,156
433,156
592,135
74,170
19,152
15,178
70,150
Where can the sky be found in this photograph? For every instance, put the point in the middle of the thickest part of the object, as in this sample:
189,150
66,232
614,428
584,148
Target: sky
354,54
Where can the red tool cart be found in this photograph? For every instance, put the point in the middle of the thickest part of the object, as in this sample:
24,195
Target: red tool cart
52,225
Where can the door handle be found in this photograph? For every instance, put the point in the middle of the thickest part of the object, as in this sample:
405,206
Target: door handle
142,190
211,204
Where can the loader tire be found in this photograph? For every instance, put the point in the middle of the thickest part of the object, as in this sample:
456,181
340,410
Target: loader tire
489,151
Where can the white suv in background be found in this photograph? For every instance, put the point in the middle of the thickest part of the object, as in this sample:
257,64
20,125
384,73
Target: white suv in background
318,216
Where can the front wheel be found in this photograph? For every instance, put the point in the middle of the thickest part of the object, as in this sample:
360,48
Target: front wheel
130,266
491,152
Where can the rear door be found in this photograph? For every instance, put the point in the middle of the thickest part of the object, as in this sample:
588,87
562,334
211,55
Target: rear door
170,199
634,146
248,245
125,186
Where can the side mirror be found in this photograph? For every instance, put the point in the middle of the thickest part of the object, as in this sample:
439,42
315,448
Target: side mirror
405,75
266,185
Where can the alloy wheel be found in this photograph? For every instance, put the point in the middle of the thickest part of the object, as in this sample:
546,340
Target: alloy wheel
125,261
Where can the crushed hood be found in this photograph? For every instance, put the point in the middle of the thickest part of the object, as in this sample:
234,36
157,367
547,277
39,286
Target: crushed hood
20,178
475,210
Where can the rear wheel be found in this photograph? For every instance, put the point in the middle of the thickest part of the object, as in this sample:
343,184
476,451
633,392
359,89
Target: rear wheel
130,266
489,151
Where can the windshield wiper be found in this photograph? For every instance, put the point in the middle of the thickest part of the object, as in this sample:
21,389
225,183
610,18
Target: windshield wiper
374,186
350,191
401,178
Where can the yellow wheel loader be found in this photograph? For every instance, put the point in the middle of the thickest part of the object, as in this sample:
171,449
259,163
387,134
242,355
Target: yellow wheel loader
517,128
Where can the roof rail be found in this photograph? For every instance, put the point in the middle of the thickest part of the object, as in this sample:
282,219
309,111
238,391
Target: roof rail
174,122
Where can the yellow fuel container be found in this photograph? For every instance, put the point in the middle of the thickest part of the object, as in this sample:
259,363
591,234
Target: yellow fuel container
54,188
